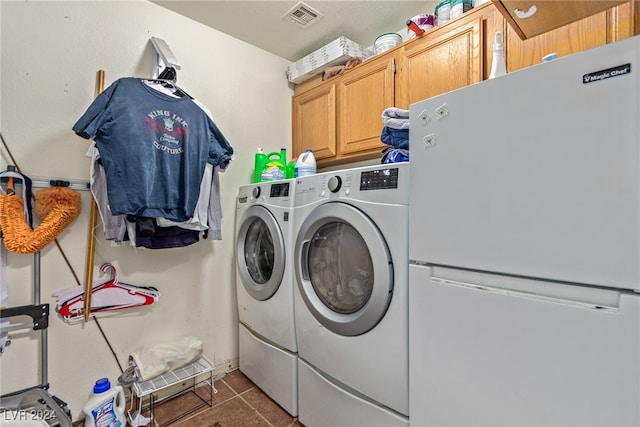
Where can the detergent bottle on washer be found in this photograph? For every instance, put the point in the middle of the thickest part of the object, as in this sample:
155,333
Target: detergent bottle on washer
290,170
274,166
306,164
259,163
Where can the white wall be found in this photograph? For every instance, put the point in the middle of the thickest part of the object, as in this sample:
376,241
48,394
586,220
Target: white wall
51,52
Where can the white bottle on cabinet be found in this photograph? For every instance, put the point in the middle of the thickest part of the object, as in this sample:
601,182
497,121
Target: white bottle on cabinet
498,65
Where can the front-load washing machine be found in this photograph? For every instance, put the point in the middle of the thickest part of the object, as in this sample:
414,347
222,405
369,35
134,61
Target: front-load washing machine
351,296
264,248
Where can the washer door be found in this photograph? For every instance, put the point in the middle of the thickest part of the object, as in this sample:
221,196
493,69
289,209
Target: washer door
260,253
344,269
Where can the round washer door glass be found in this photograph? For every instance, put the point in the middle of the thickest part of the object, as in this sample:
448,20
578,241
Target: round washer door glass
260,253
343,268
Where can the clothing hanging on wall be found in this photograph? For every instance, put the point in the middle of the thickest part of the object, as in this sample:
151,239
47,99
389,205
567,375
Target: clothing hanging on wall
122,228
154,149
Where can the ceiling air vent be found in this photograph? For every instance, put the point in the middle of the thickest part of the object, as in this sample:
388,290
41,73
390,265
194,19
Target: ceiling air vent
303,15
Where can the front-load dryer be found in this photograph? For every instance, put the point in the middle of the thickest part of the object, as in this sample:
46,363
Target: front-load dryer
264,249
351,296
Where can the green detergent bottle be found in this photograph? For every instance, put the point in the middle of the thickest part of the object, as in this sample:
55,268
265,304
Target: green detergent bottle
258,165
274,167
290,171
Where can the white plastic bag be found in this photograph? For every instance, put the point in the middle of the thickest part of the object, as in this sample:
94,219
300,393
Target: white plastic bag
153,360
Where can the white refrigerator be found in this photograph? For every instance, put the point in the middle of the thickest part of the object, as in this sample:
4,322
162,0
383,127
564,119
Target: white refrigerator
525,247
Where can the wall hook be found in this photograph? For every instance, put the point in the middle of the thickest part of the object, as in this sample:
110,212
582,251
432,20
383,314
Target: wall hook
164,57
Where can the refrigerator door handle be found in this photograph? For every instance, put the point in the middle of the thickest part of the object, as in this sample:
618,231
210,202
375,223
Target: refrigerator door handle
553,299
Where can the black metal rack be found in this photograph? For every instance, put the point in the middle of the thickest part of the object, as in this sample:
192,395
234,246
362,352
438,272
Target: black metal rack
34,402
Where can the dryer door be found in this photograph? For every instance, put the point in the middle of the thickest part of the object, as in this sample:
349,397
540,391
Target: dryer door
260,253
344,269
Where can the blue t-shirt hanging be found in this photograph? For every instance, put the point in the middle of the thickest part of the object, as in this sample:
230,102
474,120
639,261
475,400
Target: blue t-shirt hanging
154,148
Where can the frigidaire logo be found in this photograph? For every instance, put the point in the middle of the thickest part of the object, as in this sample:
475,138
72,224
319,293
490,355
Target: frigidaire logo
620,70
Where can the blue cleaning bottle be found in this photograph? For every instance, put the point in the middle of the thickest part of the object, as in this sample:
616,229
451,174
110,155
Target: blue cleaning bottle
105,406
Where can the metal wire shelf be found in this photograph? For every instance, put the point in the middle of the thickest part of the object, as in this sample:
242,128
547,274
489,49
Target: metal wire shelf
200,366
184,380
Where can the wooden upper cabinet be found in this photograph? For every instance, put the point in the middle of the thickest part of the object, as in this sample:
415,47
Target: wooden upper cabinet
442,61
314,122
340,119
363,94
529,18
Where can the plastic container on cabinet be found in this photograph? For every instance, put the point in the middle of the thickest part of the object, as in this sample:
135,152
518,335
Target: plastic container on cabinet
498,65
458,7
386,41
443,12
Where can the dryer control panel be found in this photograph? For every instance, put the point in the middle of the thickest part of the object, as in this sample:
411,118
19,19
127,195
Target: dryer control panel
379,179
356,184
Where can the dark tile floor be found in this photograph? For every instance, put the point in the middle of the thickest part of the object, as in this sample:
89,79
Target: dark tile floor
237,403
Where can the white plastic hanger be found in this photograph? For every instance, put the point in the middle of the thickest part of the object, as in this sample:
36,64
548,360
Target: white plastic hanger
106,296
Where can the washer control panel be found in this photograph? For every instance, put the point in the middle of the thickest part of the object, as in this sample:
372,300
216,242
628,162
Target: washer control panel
280,189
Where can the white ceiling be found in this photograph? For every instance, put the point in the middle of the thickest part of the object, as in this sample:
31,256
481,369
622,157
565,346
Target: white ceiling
261,22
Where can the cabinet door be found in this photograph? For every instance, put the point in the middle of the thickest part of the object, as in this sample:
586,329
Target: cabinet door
442,62
528,20
596,30
314,121
363,94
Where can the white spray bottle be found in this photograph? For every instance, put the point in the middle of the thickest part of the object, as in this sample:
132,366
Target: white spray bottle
498,65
